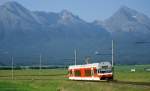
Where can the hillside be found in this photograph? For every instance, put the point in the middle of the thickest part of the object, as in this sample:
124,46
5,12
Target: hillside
26,34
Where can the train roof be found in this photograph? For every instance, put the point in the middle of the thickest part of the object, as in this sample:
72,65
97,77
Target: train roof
97,65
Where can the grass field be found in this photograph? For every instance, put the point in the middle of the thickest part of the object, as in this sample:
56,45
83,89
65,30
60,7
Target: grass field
54,80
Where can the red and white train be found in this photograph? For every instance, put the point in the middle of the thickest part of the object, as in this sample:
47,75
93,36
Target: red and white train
93,71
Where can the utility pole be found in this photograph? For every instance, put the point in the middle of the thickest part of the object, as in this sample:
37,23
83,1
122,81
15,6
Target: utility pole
75,56
112,53
113,71
12,68
40,66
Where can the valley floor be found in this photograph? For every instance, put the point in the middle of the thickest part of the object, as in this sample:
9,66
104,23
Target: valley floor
55,80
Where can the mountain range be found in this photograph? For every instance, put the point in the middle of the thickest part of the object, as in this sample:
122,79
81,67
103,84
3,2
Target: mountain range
26,34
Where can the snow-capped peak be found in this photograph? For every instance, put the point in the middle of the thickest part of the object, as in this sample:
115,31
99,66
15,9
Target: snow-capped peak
67,17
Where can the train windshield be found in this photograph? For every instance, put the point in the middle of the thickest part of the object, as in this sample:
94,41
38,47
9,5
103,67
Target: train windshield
104,71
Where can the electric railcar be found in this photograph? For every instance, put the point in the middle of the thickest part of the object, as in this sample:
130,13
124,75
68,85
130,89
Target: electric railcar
93,71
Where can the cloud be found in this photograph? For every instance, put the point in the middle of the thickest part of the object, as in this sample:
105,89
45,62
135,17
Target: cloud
4,1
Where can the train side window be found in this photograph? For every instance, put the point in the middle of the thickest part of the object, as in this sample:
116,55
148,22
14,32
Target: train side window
95,71
70,72
77,73
99,71
87,72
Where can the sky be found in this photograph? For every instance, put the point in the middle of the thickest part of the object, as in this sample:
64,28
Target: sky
88,10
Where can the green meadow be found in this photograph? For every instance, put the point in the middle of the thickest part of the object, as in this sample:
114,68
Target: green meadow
55,80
